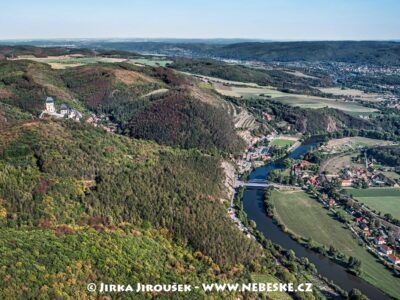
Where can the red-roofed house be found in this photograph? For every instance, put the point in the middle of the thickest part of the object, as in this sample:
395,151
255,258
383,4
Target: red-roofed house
394,259
267,116
362,220
380,240
304,163
313,180
385,249
346,182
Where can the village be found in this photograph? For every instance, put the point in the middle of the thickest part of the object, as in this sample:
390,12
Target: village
378,234
381,237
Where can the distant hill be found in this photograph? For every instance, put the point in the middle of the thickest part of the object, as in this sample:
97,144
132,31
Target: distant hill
20,50
371,52
379,53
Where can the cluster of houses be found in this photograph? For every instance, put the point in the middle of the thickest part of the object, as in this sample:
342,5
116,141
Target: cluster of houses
369,176
259,153
63,112
101,121
254,155
378,239
267,116
301,170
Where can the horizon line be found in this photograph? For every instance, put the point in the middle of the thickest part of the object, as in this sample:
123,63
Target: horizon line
196,38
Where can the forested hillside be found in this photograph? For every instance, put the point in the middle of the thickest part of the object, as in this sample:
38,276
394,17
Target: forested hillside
123,92
68,174
59,262
183,123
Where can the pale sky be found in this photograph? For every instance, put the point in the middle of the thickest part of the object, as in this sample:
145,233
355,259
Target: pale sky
265,19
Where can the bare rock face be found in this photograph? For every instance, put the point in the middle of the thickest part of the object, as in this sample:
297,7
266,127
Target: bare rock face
303,125
229,182
332,125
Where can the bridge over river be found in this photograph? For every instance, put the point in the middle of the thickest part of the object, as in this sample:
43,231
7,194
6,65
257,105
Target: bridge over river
264,184
252,183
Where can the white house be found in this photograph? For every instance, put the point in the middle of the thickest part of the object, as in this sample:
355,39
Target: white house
64,110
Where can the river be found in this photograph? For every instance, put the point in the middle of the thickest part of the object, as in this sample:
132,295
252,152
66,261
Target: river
253,200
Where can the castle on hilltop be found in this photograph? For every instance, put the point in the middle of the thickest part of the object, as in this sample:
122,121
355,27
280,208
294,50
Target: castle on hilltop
65,111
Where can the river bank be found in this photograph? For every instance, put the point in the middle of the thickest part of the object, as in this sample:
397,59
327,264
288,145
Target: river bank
255,210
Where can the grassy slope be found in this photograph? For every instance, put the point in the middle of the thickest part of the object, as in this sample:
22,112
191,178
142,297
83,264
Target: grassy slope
329,232
381,199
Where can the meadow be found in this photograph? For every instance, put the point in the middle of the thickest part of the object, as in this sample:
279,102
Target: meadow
303,101
334,164
282,142
385,200
352,143
313,102
337,91
307,218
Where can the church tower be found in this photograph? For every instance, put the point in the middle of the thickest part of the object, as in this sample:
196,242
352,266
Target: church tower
50,105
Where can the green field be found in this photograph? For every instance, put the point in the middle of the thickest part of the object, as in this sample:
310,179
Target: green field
247,91
282,142
304,101
307,218
313,102
385,200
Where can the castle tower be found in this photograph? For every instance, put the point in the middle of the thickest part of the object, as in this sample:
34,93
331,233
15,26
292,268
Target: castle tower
50,105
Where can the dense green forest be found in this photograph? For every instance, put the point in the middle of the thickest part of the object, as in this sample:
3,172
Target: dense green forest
388,155
59,263
68,173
